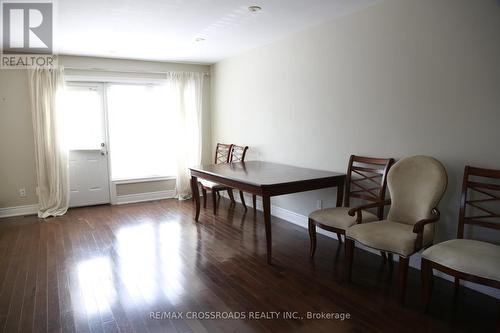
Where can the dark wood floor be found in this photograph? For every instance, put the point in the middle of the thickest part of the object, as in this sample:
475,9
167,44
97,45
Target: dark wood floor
111,269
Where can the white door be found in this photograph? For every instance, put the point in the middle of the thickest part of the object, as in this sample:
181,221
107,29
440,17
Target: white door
86,135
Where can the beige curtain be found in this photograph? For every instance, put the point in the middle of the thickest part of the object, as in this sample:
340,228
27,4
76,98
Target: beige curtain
45,87
186,90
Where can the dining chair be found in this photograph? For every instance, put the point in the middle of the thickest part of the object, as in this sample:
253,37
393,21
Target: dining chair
238,154
469,259
222,155
366,180
416,185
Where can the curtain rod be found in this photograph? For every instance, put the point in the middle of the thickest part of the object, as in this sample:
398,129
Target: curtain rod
120,70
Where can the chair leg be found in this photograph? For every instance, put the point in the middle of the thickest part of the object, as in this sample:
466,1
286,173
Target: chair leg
403,273
427,278
242,197
390,260
339,237
457,286
384,256
498,317
231,196
349,256
204,198
254,202
214,201
312,238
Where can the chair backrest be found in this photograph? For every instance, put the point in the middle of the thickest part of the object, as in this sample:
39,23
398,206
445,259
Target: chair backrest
487,192
367,179
223,153
238,153
416,185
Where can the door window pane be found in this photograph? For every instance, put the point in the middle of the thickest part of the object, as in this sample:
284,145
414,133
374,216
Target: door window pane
83,118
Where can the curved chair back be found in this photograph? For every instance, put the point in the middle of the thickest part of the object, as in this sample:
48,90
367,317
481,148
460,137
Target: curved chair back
223,153
367,179
238,153
416,185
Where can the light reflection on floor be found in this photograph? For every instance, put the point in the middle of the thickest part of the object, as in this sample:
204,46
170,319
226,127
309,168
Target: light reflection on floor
149,266
137,261
96,284
171,261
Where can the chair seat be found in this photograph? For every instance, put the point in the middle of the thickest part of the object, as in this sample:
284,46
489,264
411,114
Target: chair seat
211,185
338,217
389,236
468,256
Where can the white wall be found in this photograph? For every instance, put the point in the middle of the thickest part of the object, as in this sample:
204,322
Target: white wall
17,166
399,78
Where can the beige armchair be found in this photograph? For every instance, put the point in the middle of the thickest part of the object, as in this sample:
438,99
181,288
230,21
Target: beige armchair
416,185
469,259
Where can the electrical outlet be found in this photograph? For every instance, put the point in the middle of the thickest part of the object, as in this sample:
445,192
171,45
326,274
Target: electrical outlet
319,204
22,193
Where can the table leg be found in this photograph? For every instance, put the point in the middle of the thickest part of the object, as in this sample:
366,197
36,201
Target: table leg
196,195
254,202
266,202
340,194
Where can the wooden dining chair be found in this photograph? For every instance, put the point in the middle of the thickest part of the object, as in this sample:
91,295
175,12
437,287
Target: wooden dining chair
469,259
366,180
222,155
416,185
238,154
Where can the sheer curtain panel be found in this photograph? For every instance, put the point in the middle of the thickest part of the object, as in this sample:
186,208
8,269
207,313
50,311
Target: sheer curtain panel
45,86
186,90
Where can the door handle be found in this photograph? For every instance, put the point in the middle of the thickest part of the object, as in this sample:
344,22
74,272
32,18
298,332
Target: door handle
104,151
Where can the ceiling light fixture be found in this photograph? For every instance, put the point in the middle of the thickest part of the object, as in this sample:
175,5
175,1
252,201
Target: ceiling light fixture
199,39
254,9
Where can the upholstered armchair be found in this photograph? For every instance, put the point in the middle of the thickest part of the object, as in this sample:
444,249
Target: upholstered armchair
416,185
469,259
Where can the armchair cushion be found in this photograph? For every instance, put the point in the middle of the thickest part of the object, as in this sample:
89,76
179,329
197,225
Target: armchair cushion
467,256
389,236
338,217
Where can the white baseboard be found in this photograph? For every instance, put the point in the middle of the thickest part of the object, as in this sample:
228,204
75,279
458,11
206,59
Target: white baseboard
120,200
302,221
19,211
142,197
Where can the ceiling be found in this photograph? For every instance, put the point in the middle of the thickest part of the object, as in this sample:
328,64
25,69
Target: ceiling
166,30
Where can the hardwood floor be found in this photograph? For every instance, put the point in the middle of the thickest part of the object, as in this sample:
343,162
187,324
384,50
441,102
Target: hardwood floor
126,268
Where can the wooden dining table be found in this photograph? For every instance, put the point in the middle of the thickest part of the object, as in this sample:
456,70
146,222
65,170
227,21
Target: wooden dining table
265,179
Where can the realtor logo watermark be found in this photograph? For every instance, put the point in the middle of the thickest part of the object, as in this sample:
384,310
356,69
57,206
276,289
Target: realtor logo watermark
27,34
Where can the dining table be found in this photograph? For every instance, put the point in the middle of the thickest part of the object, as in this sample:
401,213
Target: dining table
265,179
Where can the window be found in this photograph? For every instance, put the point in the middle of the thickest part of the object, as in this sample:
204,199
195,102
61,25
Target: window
140,131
